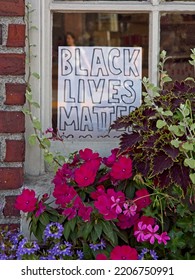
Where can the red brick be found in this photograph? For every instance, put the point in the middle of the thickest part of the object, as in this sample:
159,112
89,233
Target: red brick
10,227
16,35
9,208
12,64
15,94
12,122
15,151
12,7
11,178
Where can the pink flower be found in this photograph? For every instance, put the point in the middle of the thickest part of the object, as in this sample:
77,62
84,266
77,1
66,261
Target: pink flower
26,201
142,199
109,204
64,194
85,175
140,233
152,235
122,169
87,154
85,212
101,257
70,212
116,204
100,190
41,209
130,209
109,161
124,253
163,238
104,206
125,222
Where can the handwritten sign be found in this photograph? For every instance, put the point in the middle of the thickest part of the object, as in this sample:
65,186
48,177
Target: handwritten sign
96,85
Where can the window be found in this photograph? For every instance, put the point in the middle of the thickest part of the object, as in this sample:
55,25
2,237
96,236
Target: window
151,25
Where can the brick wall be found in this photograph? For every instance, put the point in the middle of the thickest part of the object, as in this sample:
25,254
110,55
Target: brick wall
12,98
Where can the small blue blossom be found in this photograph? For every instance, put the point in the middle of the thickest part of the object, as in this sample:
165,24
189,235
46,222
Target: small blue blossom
98,246
53,230
144,251
80,254
61,249
94,247
26,247
153,255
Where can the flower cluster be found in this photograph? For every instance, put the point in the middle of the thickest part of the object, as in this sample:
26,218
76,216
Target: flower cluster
98,210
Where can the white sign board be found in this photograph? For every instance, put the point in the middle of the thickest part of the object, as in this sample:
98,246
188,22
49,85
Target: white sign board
96,85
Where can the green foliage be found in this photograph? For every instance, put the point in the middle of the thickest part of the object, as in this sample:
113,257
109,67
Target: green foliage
162,137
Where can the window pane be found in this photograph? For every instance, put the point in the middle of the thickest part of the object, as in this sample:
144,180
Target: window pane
98,29
178,38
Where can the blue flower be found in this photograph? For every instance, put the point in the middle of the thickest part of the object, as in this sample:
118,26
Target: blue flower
94,247
26,247
144,251
53,230
80,254
98,246
153,255
61,249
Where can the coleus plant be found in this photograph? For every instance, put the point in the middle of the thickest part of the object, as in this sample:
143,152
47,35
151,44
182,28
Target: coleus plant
161,138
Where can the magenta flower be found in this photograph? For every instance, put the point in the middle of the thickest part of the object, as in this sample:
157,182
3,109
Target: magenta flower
163,238
87,154
85,212
152,235
64,194
41,209
124,252
109,161
130,209
85,175
26,201
104,206
99,191
140,233
125,221
116,204
122,169
142,199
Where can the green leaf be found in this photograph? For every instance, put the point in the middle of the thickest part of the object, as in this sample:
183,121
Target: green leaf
176,143
48,157
160,124
98,229
109,233
32,139
87,252
188,146
166,79
36,75
87,228
192,177
189,162
177,130
168,113
72,223
35,104
36,124
67,231
44,219
26,112
46,142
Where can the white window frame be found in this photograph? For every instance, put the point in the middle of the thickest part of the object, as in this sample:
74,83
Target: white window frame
42,64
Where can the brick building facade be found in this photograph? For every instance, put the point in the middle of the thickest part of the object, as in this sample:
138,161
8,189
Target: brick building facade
12,98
